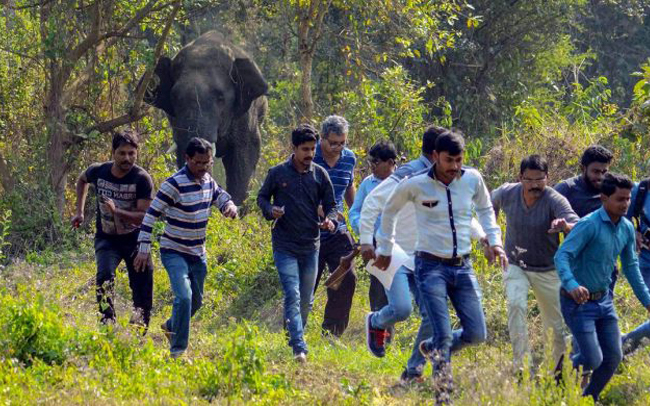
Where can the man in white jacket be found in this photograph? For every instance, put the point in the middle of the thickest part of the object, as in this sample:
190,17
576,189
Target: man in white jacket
400,307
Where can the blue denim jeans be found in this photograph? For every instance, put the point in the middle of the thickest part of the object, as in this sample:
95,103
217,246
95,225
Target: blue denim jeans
399,308
633,338
437,282
186,276
298,277
594,325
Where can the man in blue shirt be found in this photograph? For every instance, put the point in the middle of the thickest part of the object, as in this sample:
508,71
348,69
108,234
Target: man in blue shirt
339,163
382,157
585,262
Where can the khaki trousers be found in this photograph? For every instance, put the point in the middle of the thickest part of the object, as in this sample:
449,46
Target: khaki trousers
546,288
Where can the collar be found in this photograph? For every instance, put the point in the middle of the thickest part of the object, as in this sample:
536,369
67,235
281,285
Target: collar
289,162
432,173
425,160
602,213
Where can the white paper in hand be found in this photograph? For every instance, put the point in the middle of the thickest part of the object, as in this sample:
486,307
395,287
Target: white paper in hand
398,258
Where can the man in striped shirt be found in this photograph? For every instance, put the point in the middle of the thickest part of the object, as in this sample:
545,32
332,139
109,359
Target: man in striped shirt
339,163
185,200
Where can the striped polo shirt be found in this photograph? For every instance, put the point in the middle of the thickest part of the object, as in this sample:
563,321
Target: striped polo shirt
341,175
185,202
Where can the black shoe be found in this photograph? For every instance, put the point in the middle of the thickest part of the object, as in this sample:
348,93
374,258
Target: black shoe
375,338
557,372
408,379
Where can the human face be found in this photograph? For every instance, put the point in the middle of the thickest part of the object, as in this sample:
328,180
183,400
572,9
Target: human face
199,164
304,153
334,143
448,166
124,157
594,173
534,182
617,204
381,169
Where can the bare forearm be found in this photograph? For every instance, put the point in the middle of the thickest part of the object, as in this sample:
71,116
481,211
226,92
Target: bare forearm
82,192
134,217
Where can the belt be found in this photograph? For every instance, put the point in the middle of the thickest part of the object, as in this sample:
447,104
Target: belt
592,295
456,261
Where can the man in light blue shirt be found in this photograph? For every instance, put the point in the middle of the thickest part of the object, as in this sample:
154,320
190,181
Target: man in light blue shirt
585,262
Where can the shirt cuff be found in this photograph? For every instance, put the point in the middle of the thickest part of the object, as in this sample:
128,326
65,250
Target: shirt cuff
571,285
494,239
385,249
365,238
145,248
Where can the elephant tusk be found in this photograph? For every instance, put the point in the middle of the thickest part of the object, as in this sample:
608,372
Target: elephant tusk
214,149
172,149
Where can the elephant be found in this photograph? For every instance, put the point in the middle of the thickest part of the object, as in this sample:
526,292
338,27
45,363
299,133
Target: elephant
212,89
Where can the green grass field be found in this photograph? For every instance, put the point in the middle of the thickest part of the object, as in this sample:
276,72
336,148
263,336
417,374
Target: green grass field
54,351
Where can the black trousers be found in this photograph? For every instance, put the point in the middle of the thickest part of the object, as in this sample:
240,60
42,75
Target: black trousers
109,252
339,302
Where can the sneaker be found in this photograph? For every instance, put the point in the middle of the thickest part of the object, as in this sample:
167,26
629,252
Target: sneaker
300,358
375,338
168,334
408,379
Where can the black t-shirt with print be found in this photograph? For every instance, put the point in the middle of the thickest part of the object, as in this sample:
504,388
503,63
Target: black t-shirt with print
124,191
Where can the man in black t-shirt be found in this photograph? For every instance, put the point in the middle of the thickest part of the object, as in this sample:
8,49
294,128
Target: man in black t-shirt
124,192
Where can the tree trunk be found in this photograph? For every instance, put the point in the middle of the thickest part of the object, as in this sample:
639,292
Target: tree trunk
306,102
58,143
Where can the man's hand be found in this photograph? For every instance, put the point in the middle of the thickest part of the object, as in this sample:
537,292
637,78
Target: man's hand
140,262
327,224
579,295
641,242
110,205
367,252
77,220
277,212
230,211
498,254
560,225
487,252
382,262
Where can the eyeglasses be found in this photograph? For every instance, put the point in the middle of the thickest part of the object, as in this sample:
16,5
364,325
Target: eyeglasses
336,144
538,180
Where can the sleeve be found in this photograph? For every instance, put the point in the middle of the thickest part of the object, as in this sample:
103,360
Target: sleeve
355,211
630,267
476,231
496,197
386,233
372,208
220,198
265,193
327,196
92,173
145,187
167,196
572,246
563,189
485,212
562,209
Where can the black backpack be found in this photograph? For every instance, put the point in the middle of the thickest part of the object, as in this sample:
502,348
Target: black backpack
637,209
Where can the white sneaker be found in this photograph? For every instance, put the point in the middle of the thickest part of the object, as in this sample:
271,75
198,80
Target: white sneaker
300,357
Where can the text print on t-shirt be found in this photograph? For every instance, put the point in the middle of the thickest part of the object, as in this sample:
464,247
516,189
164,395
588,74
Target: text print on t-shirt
124,197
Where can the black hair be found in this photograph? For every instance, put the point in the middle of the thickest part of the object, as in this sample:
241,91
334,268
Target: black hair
451,142
613,181
596,153
535,163
429,138
304,133
383,150
126,137
198,145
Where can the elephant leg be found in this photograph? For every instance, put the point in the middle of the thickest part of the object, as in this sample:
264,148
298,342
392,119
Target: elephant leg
239,162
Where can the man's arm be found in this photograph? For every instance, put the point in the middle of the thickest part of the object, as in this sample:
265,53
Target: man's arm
82,193
264,195
630,265
372,207
386,233
496,200
485,213
570,249
354,213
564,216
349,194
167,196
327,197
223,201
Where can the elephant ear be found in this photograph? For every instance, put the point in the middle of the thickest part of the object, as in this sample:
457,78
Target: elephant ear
158,92
249,84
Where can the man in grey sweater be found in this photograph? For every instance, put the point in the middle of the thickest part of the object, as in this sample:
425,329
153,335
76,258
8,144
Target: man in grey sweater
535,214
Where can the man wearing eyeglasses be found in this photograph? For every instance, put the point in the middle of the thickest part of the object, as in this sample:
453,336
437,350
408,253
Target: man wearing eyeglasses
339,162
535,214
